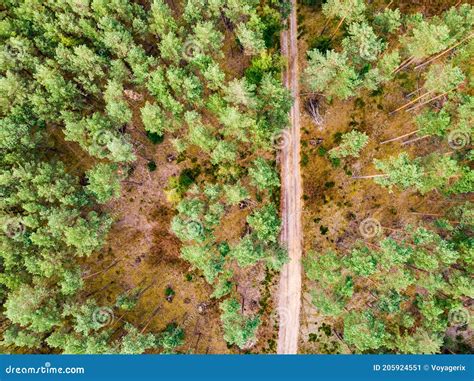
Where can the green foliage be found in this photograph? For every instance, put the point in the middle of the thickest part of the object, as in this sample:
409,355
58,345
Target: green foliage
135,342
383,71
443,78
378,283
459,20
265,222
388,21
264,176
224,152
361,262
250,36
330,74
235,193
433,123
349,10
171,338
14,335
224,285
238,329
362,45
247,252
104,182
204,259
127,301
33,307
351,145
153,119
426,38
364,331
424,174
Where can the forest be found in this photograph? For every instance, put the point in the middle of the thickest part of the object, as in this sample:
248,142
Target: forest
141,182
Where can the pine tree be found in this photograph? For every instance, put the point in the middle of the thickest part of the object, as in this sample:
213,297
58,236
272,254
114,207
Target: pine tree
388,21
171,338
424,174
426,38
362,45
104,182
351,145
238,329
33,307
247,252
345,10
330,74
263,176
136,342
250,35
265,222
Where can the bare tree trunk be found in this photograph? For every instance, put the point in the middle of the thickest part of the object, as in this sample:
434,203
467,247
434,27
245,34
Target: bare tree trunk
197,341
368,177
325,27
117,321
399,137
133,182
100,289
443,52
155,311
338,26
403,64
413,92
429,100
415,140
313,110
411,102
146,289
104,270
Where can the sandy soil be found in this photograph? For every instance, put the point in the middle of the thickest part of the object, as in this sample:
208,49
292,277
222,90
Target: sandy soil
291,235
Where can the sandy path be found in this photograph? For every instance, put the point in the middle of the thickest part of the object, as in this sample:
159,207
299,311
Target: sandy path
289,294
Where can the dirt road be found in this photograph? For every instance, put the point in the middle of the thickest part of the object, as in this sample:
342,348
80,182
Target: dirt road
289,293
